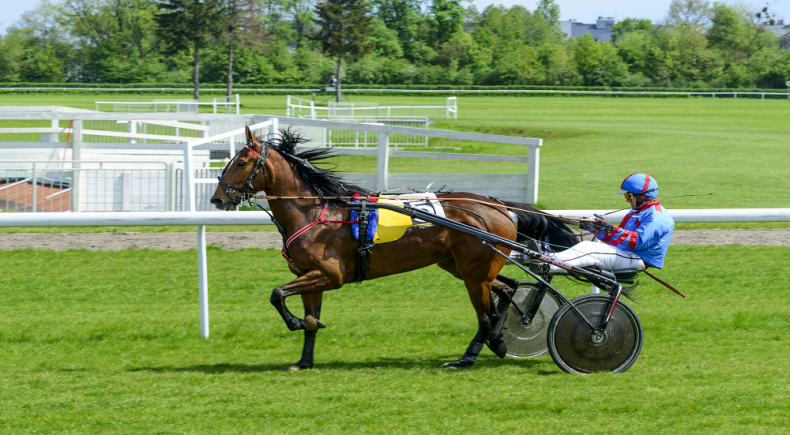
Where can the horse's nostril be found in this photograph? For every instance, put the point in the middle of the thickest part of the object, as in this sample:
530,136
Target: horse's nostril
216,201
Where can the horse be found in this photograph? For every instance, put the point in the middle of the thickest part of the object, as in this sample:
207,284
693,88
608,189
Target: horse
324,257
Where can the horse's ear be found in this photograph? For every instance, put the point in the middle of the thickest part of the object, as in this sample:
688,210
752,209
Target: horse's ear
250,137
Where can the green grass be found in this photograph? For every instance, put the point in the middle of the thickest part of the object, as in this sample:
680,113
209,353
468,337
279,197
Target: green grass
734,148
107,342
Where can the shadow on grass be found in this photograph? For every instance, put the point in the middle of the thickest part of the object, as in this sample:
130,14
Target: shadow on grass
536,366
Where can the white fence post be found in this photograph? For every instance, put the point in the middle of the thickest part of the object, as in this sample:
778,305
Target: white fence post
533,173
55,123
189,178
382,161
170,186
202,280
76,155
275,126
35,183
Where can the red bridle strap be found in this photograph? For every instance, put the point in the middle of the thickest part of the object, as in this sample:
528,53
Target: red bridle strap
257,154
320,220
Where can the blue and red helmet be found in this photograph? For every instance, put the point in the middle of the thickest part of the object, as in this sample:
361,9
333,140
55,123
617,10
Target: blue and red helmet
640,184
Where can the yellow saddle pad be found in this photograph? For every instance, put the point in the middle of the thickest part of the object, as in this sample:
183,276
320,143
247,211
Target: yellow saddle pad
393,225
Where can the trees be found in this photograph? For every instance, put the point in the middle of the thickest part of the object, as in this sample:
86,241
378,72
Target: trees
630,25
185,25
345,29
447,19
244,26
690,13
409,41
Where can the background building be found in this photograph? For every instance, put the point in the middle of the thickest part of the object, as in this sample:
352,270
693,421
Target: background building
600,31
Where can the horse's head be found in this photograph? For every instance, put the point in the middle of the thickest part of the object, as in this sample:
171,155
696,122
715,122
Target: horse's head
243,175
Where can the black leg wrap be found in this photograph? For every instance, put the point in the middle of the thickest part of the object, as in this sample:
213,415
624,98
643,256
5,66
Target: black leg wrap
494,340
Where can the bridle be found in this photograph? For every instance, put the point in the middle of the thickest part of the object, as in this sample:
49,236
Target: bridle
246,192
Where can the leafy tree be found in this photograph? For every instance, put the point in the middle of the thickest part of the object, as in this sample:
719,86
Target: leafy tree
558,64
634,48
243,26
405,18
386,42
550,11
448,19
611,71
185,25
587,55
690,13
630,25
346,26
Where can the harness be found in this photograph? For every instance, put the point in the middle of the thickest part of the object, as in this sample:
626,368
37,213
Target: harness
320,220
245,194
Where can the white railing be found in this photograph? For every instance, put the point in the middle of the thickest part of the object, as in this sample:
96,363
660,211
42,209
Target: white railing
695,215
301,108
518,187
227,104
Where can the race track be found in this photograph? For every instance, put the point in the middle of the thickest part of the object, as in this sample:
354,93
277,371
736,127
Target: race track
183,241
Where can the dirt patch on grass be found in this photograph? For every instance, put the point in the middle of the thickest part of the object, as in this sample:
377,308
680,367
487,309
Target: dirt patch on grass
231,241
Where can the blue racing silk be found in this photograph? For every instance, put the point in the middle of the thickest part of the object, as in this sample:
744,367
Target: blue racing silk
645,232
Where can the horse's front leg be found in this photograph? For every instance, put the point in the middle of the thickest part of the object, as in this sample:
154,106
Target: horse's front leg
312,310
310,283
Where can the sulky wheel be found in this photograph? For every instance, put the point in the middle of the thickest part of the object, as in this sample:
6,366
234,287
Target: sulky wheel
528,341
576,348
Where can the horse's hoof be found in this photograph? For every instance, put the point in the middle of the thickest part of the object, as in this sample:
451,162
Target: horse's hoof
499,347
291,368
459,364
312,324
296,325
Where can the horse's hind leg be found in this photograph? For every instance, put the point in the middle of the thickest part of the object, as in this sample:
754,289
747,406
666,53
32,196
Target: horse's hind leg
502,286
479,293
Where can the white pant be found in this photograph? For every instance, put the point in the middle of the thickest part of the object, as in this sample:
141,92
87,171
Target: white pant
605,256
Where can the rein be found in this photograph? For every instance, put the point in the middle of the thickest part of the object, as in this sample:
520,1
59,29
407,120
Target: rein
269,198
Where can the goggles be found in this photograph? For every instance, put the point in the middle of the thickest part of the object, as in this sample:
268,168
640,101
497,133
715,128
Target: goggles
629,196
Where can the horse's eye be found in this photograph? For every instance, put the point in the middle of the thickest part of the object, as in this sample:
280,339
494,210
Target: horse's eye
241,164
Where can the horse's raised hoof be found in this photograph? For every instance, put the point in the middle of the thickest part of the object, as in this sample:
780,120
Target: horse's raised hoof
291,368
312,324
499,347
296,325
459,364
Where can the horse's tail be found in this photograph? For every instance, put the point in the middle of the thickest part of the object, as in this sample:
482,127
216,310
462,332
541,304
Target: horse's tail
539,226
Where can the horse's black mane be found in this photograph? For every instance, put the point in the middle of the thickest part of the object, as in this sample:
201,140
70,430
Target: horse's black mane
325,182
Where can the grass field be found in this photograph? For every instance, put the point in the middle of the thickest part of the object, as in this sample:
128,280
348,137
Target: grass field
113,347
107,342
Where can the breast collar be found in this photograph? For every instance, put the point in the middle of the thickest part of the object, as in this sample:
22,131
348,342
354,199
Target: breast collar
246,190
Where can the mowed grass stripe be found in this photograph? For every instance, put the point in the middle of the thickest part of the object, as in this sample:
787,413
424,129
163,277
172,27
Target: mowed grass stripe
107,342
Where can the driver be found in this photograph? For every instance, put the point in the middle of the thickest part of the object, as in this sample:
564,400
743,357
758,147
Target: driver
639,242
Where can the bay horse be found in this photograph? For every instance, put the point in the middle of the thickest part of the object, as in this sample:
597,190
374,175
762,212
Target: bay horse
324,257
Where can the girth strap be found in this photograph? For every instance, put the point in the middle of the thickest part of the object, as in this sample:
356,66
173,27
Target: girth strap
364,247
